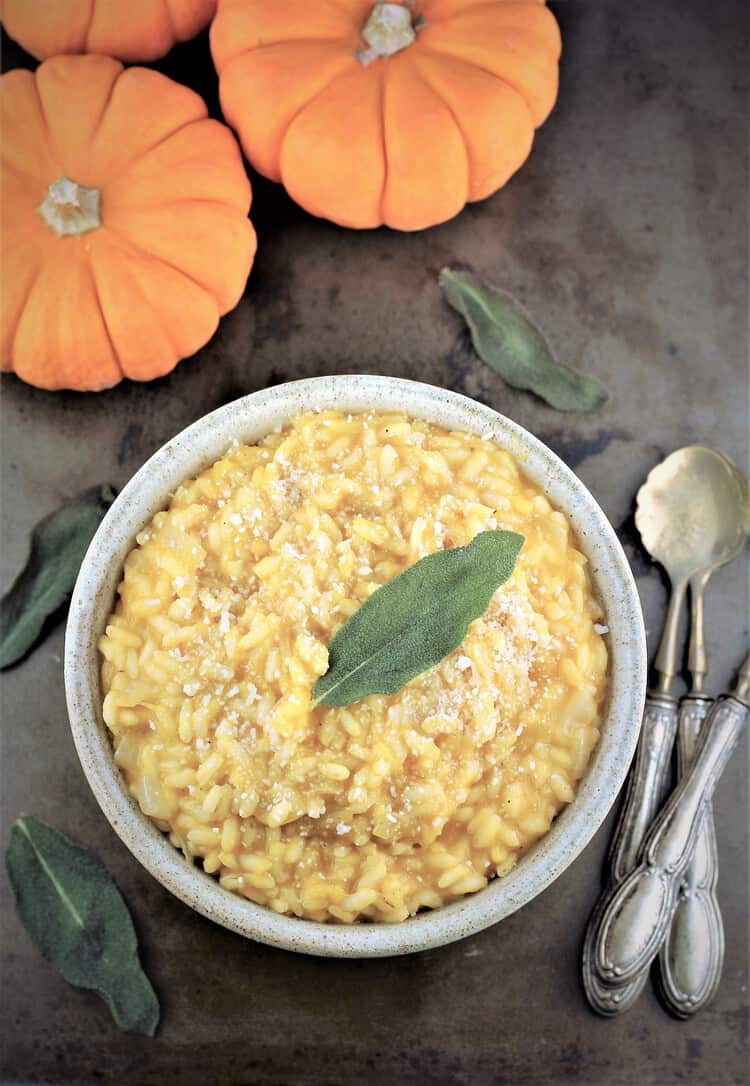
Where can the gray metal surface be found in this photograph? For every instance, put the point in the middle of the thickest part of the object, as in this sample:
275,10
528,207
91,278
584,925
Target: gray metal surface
626,235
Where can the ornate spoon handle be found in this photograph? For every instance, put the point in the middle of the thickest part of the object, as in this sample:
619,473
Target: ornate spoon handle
648,783
692,956
605,999
647,787
637,915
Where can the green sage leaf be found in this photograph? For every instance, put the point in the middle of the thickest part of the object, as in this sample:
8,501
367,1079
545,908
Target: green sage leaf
505,337
74,913
408,625
58,545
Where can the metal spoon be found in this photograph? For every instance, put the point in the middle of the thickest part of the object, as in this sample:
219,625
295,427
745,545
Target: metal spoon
687,514
692,955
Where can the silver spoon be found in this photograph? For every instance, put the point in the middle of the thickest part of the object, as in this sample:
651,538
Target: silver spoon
690,517
692,955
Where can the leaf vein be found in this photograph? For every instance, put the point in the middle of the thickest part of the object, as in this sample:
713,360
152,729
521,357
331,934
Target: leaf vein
51,876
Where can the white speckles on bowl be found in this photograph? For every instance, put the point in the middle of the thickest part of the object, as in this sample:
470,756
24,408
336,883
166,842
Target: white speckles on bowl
248,420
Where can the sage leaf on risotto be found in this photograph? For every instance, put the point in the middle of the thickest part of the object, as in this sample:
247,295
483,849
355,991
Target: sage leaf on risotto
408,625
505,337
58,545
76,917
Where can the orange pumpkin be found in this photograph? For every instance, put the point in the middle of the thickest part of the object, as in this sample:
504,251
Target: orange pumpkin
125,233
129,29
395,113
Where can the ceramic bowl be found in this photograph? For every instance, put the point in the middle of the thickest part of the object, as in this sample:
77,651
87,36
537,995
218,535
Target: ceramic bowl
248,420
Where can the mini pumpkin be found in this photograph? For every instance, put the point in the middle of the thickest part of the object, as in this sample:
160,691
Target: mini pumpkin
395,113
125,232
132,31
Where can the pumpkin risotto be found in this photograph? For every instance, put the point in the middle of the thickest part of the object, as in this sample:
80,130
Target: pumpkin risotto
226,608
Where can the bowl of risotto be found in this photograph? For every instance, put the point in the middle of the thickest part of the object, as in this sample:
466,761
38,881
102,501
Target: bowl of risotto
202,620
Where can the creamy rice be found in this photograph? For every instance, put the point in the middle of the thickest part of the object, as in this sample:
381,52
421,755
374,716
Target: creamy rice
226,608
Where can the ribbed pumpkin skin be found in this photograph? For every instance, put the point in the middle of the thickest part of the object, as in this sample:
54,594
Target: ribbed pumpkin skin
131,30
147,287
404,140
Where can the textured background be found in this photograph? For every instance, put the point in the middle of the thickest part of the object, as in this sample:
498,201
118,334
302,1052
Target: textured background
626,235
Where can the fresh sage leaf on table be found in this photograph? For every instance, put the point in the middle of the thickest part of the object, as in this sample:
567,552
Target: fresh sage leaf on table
58,545
505,337
74,913
408,625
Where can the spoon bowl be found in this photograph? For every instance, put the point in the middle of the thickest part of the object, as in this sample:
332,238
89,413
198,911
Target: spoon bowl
692,516
692,511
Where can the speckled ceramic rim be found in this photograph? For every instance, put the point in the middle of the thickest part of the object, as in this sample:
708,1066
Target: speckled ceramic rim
248,420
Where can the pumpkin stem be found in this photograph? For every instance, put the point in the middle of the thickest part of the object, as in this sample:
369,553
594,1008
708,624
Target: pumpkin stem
389,29
71,209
